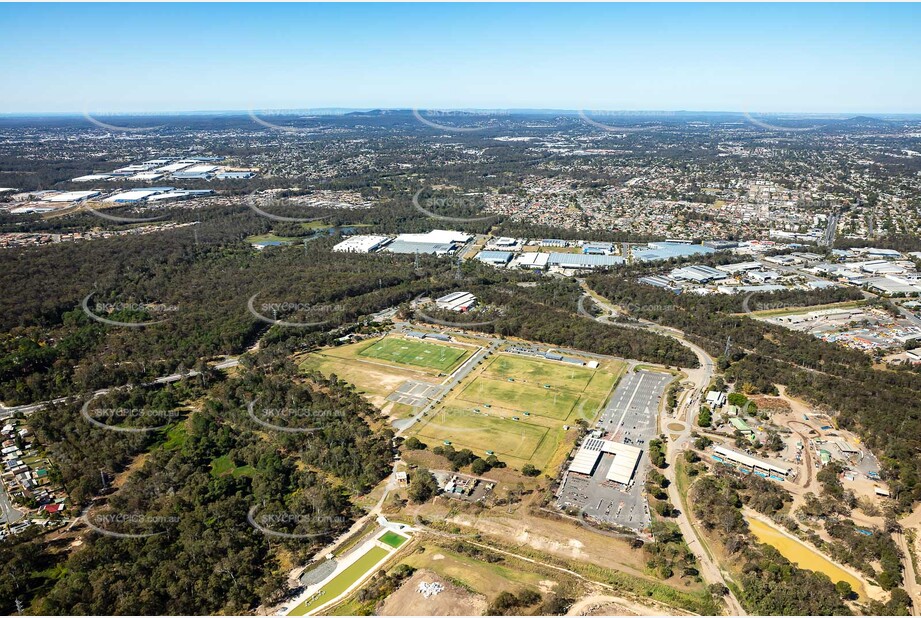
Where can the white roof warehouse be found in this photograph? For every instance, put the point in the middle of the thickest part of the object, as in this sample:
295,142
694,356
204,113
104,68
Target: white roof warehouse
625,459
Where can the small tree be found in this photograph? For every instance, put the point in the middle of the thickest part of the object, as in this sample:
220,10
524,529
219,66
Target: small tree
422,486
414,444
705,418
529,470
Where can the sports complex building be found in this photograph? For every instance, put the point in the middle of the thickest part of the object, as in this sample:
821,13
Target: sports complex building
622,468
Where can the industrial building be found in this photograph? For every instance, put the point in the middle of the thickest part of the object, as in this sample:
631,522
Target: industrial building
503,243
71,196
533,260
131,170
437,237
180,194
495,258
91,178
740,267
889,285
456,301
361,243
666,250
598,248
751,462
762,276
660,282
436,242
698,274
580,261
400,246
136,195
626,458
172,167
720,245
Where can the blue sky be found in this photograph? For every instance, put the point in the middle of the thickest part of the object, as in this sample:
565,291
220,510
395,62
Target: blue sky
845,58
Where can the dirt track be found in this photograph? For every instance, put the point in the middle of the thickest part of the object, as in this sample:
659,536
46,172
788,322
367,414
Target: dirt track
603,605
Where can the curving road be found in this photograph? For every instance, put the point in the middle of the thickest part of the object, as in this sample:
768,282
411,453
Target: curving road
701,379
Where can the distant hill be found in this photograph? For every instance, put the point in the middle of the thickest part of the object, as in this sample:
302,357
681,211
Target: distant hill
866,121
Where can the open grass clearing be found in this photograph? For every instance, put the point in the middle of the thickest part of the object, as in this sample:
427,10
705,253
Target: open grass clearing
271,238
224,466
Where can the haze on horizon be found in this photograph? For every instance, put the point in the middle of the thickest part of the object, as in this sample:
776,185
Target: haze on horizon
128,58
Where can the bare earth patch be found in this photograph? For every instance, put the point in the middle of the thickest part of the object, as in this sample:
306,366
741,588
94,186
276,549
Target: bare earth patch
452,601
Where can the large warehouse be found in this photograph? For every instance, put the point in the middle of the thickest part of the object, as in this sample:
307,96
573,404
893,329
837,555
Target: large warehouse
72,196
580,261
437,237
402,246
622,467
456,301
495,258
533,260
655,251
361,243
697,273
436,242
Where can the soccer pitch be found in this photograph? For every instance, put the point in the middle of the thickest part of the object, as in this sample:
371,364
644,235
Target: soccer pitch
419,353
480,414
551,402
533,371
480,432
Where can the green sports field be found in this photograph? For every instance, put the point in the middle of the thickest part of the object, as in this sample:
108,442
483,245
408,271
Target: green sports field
533,371
517,396
518,440
479,414
419,353
392,539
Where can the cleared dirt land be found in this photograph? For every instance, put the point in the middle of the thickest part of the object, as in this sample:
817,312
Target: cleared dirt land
452,601
476,576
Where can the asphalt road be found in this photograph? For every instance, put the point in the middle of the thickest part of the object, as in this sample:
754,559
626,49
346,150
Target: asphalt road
700,378
9,514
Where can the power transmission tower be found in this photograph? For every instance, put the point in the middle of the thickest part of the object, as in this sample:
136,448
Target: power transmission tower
726,349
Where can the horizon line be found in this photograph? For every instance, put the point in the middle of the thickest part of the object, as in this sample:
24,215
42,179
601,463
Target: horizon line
338,111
